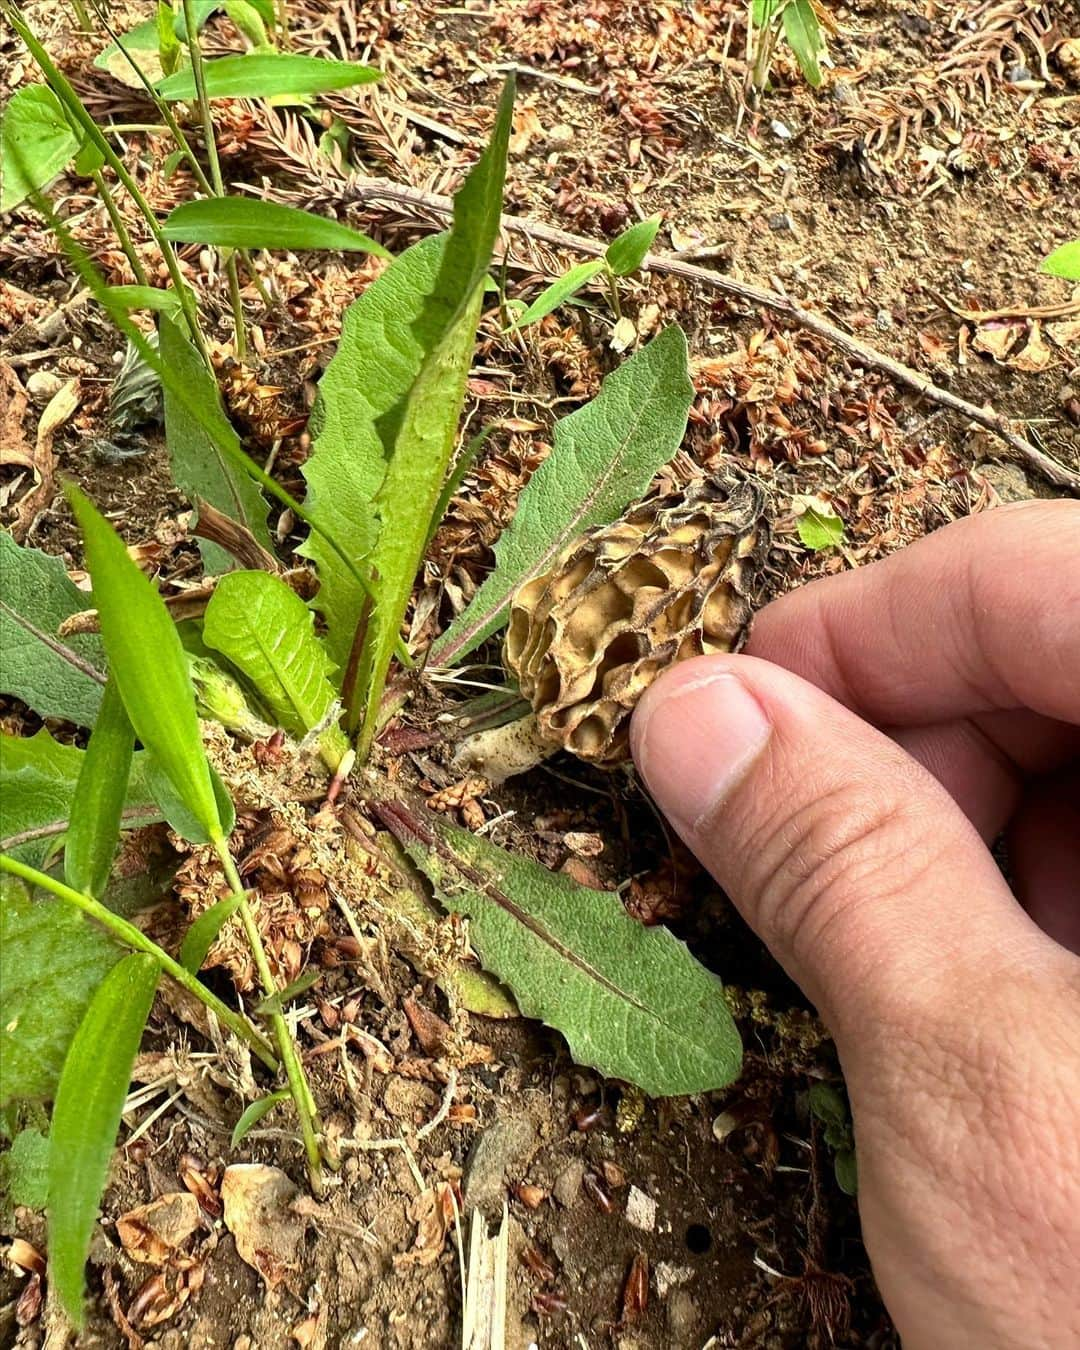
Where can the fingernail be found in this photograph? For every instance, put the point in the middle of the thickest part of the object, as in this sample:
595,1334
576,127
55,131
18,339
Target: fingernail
695,741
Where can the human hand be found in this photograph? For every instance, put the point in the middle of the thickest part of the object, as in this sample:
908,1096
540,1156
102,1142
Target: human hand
843,781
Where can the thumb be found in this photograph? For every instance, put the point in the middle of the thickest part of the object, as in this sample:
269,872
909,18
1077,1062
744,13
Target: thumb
849,860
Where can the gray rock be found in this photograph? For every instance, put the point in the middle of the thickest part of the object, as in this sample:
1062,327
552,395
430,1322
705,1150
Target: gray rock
567,1185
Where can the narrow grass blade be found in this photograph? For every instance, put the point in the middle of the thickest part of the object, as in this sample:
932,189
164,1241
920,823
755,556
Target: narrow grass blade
148,663
255,1113
560,290
246,222
268,75
803,33
275,1003
199,938
86,1116
98,804
147,297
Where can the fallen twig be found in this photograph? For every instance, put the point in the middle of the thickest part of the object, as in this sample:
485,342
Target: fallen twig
362,191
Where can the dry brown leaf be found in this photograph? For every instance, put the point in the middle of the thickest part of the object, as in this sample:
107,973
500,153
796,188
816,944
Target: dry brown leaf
432,1211
154,1233
1035,355
259,1214
997,339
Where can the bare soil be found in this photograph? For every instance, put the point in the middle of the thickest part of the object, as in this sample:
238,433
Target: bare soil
920,234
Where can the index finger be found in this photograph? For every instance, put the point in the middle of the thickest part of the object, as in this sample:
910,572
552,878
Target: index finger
981,616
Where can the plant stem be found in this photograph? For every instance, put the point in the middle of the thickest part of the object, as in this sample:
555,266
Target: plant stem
210,142
290,1059
122,233
613,292
82,18
177,133
133,937
282,11
74,105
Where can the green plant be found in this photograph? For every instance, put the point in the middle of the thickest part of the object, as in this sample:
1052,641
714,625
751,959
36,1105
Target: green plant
830,1107
385,461
1064,262
797,22
622,257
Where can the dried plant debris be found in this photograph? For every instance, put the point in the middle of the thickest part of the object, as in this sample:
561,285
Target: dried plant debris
674,578
996,38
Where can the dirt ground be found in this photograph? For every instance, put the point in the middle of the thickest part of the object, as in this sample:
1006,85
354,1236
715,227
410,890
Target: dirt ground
910,200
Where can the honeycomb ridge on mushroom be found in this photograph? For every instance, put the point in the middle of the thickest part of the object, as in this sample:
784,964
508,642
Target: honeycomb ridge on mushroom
675,577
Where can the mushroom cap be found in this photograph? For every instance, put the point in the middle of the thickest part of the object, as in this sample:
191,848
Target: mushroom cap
674,578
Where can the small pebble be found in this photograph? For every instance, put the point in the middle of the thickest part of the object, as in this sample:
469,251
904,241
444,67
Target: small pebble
781,221
43,384
640,1210
561,136
781,131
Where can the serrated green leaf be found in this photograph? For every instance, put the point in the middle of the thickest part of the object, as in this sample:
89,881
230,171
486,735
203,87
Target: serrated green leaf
199,938
37,785
818,524
148,663
57,677
24,1171
420,434
246,222
200,466
803,33
628,251
36,142
1064,262
268,75
604,457
89,1100
267,632
383,339
51,961
559,292
98,804
631,1001
255,1113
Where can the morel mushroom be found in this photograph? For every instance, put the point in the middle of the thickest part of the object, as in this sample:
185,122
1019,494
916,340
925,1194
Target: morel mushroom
674,578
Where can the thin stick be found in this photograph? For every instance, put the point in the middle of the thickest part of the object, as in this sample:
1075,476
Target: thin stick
290,1059
364,190
136,939
126,243
210,141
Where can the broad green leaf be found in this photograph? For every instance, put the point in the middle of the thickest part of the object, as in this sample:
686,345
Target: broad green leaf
631,1001
267,632
1064,262
268,75
255,1113
36,142
818,524
86,1115
827,1104
246,222
148,662
626,253
846,1170
604,457
51,961
89,160
147,297
199,938
559,292
57,677
24,1171
37,786
804,36
98,804
200,466
383,340
420,434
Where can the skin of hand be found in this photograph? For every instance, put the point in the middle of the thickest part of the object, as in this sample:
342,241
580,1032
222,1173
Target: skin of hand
843,780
